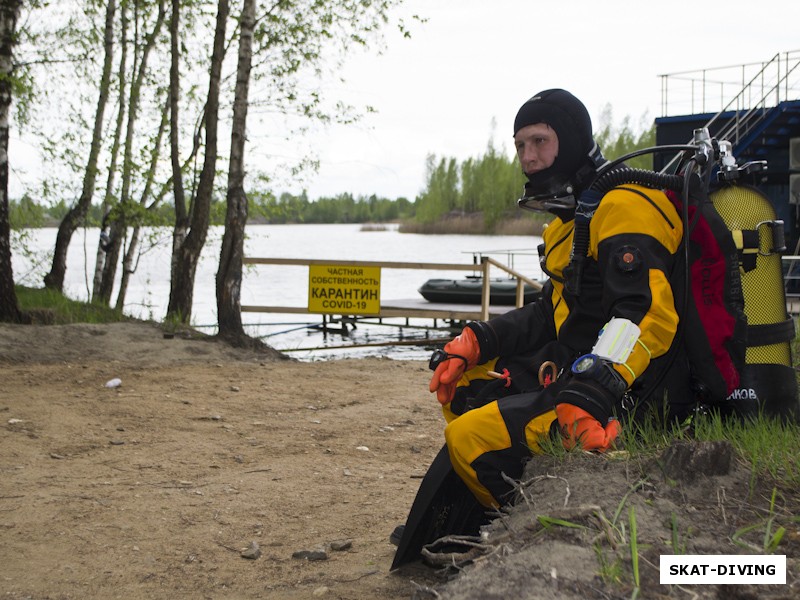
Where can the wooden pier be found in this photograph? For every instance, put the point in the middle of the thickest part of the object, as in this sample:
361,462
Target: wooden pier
451,315
410,308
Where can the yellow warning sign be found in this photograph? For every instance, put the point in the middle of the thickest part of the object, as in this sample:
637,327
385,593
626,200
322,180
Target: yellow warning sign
343,290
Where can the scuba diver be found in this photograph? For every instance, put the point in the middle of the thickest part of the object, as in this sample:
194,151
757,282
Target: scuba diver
636,320
634,235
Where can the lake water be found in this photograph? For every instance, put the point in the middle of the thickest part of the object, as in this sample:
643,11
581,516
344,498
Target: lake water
270,285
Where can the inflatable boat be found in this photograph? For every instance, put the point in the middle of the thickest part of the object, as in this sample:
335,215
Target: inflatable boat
468,291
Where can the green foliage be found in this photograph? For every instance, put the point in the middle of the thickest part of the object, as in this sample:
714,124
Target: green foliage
634,546
48,306
441,193
298,44
344,208
26,213
547,522
299,47
264,208
622,139
678,545
769,532
610,569
491,183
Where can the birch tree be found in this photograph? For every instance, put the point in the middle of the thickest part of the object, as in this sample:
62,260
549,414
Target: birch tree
132,252
229,275
292,41
120,218
116,144
9,13
191,227
75,216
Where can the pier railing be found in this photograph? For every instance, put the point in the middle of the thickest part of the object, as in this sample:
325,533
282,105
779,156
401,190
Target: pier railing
421,309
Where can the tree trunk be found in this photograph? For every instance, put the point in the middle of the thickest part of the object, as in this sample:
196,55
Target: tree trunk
131,258
229,275
119,223
181,228
187,253
116,236
181,219
9,12
129,262
100,259
72,220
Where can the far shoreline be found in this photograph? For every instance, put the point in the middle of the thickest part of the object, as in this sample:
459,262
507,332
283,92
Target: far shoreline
451,224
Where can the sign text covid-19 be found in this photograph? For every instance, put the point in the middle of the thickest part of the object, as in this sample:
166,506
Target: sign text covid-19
344,290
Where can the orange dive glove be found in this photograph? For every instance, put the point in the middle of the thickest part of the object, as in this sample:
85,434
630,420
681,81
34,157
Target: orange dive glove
587,401
579,427
462,353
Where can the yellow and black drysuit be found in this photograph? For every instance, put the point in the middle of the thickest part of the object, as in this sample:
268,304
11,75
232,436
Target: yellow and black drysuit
493,424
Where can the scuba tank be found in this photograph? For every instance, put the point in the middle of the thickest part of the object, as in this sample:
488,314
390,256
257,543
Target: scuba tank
767,379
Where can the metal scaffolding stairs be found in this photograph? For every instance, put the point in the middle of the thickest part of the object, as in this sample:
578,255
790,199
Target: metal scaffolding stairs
763,112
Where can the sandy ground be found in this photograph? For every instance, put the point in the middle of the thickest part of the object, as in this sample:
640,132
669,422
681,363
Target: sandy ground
154,488
217,473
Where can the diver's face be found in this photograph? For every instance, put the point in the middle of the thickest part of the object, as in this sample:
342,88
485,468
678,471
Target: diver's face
537,147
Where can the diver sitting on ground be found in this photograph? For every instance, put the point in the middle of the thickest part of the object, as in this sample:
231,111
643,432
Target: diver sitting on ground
494,425
634,235
604,344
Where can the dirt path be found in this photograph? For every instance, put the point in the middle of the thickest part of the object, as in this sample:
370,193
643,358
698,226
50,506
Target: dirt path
153,489
156,488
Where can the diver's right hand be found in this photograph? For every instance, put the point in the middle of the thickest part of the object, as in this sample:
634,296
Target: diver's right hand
463,352
578,427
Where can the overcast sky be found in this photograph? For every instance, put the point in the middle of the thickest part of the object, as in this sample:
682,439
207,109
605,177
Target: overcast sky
462,76
460,79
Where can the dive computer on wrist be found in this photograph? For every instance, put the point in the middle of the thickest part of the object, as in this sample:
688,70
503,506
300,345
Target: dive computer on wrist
592,367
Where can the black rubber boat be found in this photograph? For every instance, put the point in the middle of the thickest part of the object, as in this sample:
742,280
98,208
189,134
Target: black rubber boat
468,291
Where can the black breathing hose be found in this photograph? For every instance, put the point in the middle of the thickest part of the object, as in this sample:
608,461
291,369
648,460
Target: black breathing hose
616,177
603,184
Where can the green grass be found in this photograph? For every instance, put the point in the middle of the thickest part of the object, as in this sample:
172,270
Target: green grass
678,544
610,569
50,307
634,546
772,532
771,446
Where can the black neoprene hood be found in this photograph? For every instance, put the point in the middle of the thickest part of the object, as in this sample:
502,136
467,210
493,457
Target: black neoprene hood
568,117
